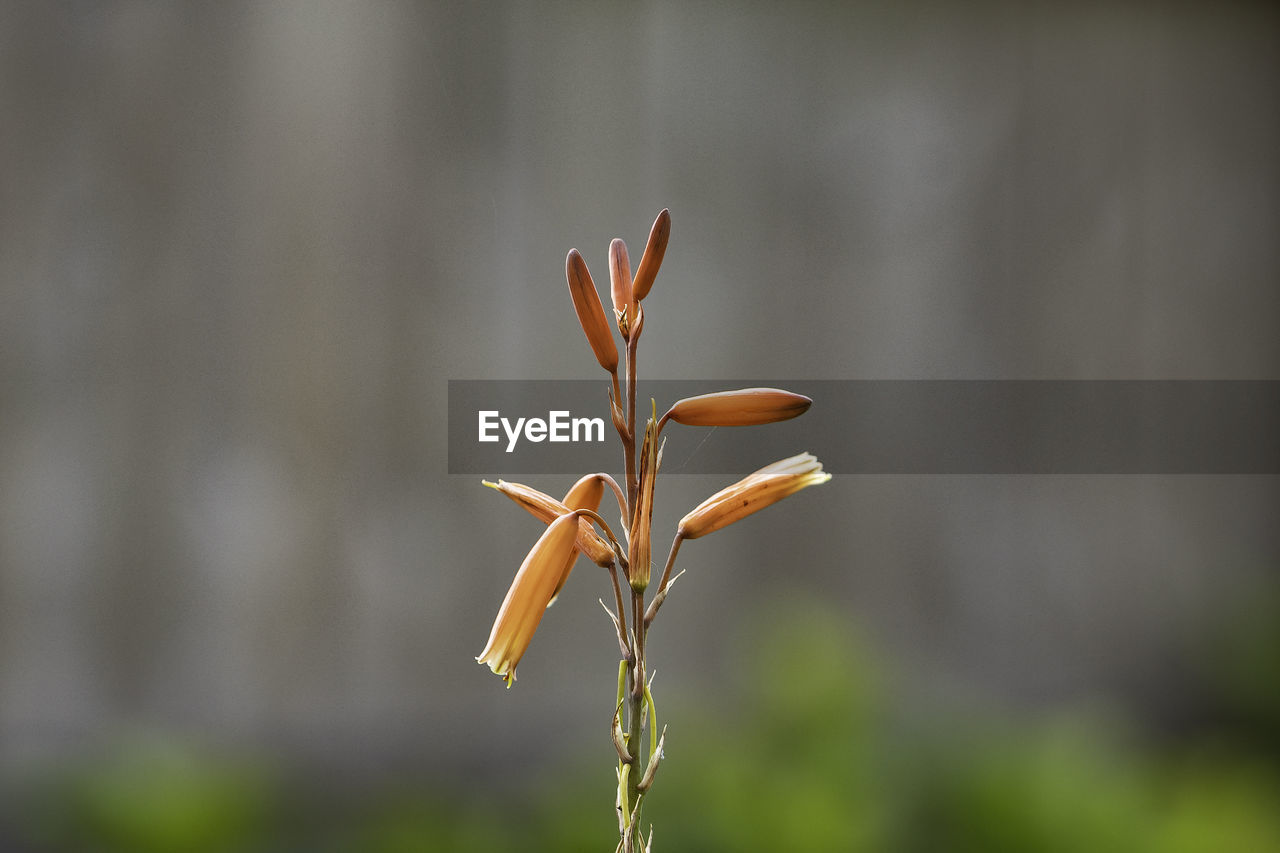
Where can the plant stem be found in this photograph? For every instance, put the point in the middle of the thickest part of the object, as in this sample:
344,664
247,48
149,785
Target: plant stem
635,701
617,492
662,585
633,485
627,652
635,697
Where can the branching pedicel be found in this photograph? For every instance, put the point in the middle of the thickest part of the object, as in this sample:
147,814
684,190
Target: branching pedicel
572,523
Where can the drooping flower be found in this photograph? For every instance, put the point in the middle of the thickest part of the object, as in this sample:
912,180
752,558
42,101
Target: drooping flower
533,587
754,492
584,494
548,509
743,407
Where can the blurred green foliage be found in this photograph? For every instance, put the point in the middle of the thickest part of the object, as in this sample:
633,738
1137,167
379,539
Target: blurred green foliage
808,756
151,796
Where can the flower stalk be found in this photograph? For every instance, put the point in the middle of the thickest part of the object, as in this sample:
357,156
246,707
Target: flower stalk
574,526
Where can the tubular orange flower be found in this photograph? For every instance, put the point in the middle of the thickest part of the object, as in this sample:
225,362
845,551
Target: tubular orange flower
642,519
754,492
586,302
652,257
527,598
624,304
744,407
548,509
584,494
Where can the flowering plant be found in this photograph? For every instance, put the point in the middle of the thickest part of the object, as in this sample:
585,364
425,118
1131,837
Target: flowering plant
572,523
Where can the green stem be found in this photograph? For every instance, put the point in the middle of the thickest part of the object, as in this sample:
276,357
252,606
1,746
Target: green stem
653,722
635,700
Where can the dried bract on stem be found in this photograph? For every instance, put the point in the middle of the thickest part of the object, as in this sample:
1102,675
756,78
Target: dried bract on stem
642,518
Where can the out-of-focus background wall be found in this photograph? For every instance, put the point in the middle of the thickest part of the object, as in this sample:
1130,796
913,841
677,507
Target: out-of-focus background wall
243,247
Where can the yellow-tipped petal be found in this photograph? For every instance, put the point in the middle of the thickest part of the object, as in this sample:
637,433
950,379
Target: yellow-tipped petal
651,260
754,492
744,407
586,302
527,598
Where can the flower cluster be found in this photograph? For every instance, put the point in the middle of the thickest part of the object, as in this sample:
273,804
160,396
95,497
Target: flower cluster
572,523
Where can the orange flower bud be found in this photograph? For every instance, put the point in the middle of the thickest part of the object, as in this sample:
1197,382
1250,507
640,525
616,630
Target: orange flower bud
584,494
586,302
624,305
639,552
527,598
548,509
744,407
754,492
652,257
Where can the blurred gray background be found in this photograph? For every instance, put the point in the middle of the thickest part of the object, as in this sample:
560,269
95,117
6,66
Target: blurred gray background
243,247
